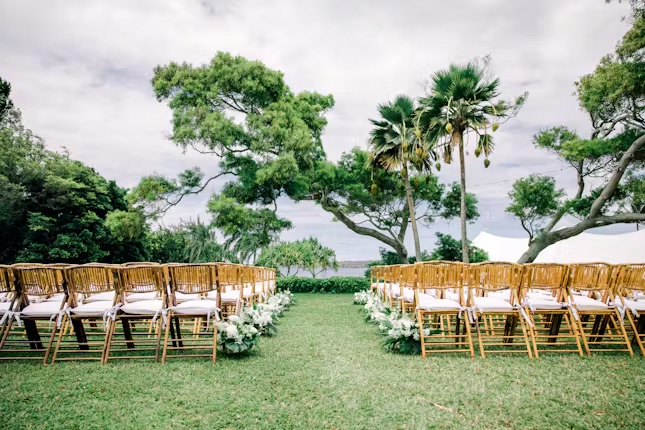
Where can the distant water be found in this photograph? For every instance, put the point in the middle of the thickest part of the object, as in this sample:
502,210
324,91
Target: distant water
343,271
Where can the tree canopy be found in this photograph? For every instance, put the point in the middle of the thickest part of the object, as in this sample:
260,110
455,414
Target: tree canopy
609,166
288,258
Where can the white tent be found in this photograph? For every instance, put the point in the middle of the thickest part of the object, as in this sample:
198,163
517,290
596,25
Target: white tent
586,247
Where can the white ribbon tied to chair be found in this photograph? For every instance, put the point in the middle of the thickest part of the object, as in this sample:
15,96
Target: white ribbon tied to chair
164,317
523,314
8,315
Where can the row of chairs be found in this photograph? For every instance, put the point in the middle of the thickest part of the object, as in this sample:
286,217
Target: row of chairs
511,308
102,312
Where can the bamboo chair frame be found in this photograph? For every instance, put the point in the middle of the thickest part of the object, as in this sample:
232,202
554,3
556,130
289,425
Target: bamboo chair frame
377,280
392,286
82,282
407,284
546,324
230,294
7,289
435,280
191,279
630,280
499,324
597,327
146,278
35,281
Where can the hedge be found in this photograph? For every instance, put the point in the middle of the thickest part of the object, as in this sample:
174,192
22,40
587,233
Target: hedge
336,284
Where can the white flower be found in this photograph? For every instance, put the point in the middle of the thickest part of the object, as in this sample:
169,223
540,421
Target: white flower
231,331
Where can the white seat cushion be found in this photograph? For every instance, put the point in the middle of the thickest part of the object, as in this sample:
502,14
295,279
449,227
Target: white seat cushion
429,303
540,294
137,297
545,304
584,303
248,292
408,294
92,309
195,307
107,296
142,307
637,305
183,297
492,304
4,307
41,310
502,295
230,297
56,298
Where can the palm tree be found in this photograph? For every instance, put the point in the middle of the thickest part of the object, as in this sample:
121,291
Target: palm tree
397,145
461,103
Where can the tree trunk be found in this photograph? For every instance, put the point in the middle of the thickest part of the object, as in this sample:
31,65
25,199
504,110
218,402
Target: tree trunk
413,219
458,140
535,247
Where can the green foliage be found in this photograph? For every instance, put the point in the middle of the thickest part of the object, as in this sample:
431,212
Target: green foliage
449,249
307,254
452,204
534,200
168,245
336,284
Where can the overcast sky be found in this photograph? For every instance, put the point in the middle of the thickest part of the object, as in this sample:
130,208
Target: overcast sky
80,72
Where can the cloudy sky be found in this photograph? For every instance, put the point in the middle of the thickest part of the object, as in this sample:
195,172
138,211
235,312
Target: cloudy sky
81,71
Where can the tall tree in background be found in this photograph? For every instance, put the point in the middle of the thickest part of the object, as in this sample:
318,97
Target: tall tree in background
614,155
395,147
462,101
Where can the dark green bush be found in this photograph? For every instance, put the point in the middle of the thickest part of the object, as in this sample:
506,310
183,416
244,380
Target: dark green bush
336,284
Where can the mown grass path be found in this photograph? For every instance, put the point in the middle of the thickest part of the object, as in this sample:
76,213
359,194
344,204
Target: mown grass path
326,369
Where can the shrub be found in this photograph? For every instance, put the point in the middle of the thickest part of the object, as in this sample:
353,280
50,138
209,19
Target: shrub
336,284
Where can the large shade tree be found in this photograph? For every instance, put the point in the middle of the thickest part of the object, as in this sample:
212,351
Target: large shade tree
462,102
610,164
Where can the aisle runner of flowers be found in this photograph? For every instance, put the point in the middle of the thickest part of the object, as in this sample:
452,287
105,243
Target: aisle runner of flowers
400,331
240,333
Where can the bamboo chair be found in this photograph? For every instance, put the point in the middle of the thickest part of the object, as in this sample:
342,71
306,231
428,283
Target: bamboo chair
393,288
407,283
7,295
92,297
271,281
230,294
38,282
545,299
489,284
251,291
630,293
599,320
135,281
192,279
377,280
436,313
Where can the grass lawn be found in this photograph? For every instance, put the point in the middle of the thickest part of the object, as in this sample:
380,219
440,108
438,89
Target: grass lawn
326,369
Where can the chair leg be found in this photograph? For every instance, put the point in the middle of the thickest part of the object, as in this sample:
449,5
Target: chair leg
108,340
5,334
61,333
618,322
158,342
165,341
469,337
581,328
523,325
55,330
421,335
637,336
214,342
573,327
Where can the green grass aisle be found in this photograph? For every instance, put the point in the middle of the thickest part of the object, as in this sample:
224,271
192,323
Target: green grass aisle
326,369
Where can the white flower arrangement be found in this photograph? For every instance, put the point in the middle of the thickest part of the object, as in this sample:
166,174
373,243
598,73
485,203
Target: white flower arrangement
285,298
260,318
236,336
361,297
401,332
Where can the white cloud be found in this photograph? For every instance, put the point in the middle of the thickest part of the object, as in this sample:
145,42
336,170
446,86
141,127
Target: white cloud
80,72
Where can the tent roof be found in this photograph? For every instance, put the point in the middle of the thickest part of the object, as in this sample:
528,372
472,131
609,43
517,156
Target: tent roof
586,247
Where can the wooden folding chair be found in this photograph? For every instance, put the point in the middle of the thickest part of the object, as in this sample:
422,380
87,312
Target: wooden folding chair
92,297
192,279
601,327
44,285
629,289
377,281
493,299
407,284
444,324
7,295
544,296
230,295
141,295
393,288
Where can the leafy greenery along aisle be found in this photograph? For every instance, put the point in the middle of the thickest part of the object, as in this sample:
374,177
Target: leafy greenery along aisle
327,369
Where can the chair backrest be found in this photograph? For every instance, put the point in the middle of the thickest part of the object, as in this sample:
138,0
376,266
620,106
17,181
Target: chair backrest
142,279
550,277
590,277
631,278
438,277
495,276
230,277
91,278
6,281
140,263
193,278
40,280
